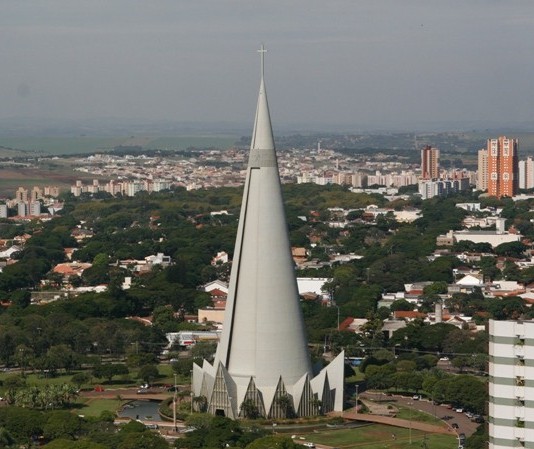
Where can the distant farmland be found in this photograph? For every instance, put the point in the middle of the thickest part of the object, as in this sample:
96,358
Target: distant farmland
85,144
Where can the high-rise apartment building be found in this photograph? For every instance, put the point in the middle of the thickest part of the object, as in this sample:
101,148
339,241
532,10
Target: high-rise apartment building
429,163
503,167
21,195
511,384
526,173
36,193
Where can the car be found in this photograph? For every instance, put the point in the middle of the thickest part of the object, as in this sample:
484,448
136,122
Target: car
416,397
478,419
459,410
443,359
446,417
152,426
142,391
310,444
455,426
461,437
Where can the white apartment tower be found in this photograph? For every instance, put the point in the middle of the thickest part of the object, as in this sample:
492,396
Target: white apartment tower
262,361
511,384
482,173
526,173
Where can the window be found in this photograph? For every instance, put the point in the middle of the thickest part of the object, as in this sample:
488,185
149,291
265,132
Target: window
494,176
494,147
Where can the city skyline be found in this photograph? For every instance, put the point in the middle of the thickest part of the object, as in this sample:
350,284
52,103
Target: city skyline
384,65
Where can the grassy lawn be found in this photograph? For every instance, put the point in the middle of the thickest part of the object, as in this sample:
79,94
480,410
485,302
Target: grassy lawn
377,435
38,380
415,415
129,381
94,407
358,376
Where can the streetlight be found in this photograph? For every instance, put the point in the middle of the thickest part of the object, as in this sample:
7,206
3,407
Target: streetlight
333,302
192,393
410,407
174,405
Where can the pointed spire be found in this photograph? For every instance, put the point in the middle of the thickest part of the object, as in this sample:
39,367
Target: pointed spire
262,137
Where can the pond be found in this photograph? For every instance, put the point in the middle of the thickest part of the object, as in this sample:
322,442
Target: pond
143,410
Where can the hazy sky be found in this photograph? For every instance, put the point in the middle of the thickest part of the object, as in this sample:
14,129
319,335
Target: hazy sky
367,63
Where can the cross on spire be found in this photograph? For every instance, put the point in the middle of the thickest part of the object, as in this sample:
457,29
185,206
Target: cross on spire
262,52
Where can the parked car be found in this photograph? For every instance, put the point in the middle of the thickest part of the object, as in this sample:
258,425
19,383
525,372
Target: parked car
310,444
455,426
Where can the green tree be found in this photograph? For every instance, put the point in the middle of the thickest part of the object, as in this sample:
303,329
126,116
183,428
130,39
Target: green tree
21,298
62,357
6,439
249,409
62,424
511,249
81,378
204,350
273,442
148,373
144,440
163,317
69,444
110,370
182,366
437,288
401,304
22,424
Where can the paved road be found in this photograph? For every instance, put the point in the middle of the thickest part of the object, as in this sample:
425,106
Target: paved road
464,423
155,393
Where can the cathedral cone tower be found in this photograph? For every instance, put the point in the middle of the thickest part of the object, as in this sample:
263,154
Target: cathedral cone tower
262,365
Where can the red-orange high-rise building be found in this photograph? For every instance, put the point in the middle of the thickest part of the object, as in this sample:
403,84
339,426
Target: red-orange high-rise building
503,167
429,163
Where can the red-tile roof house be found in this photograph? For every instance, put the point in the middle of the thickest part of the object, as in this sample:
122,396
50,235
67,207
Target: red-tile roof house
408,315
